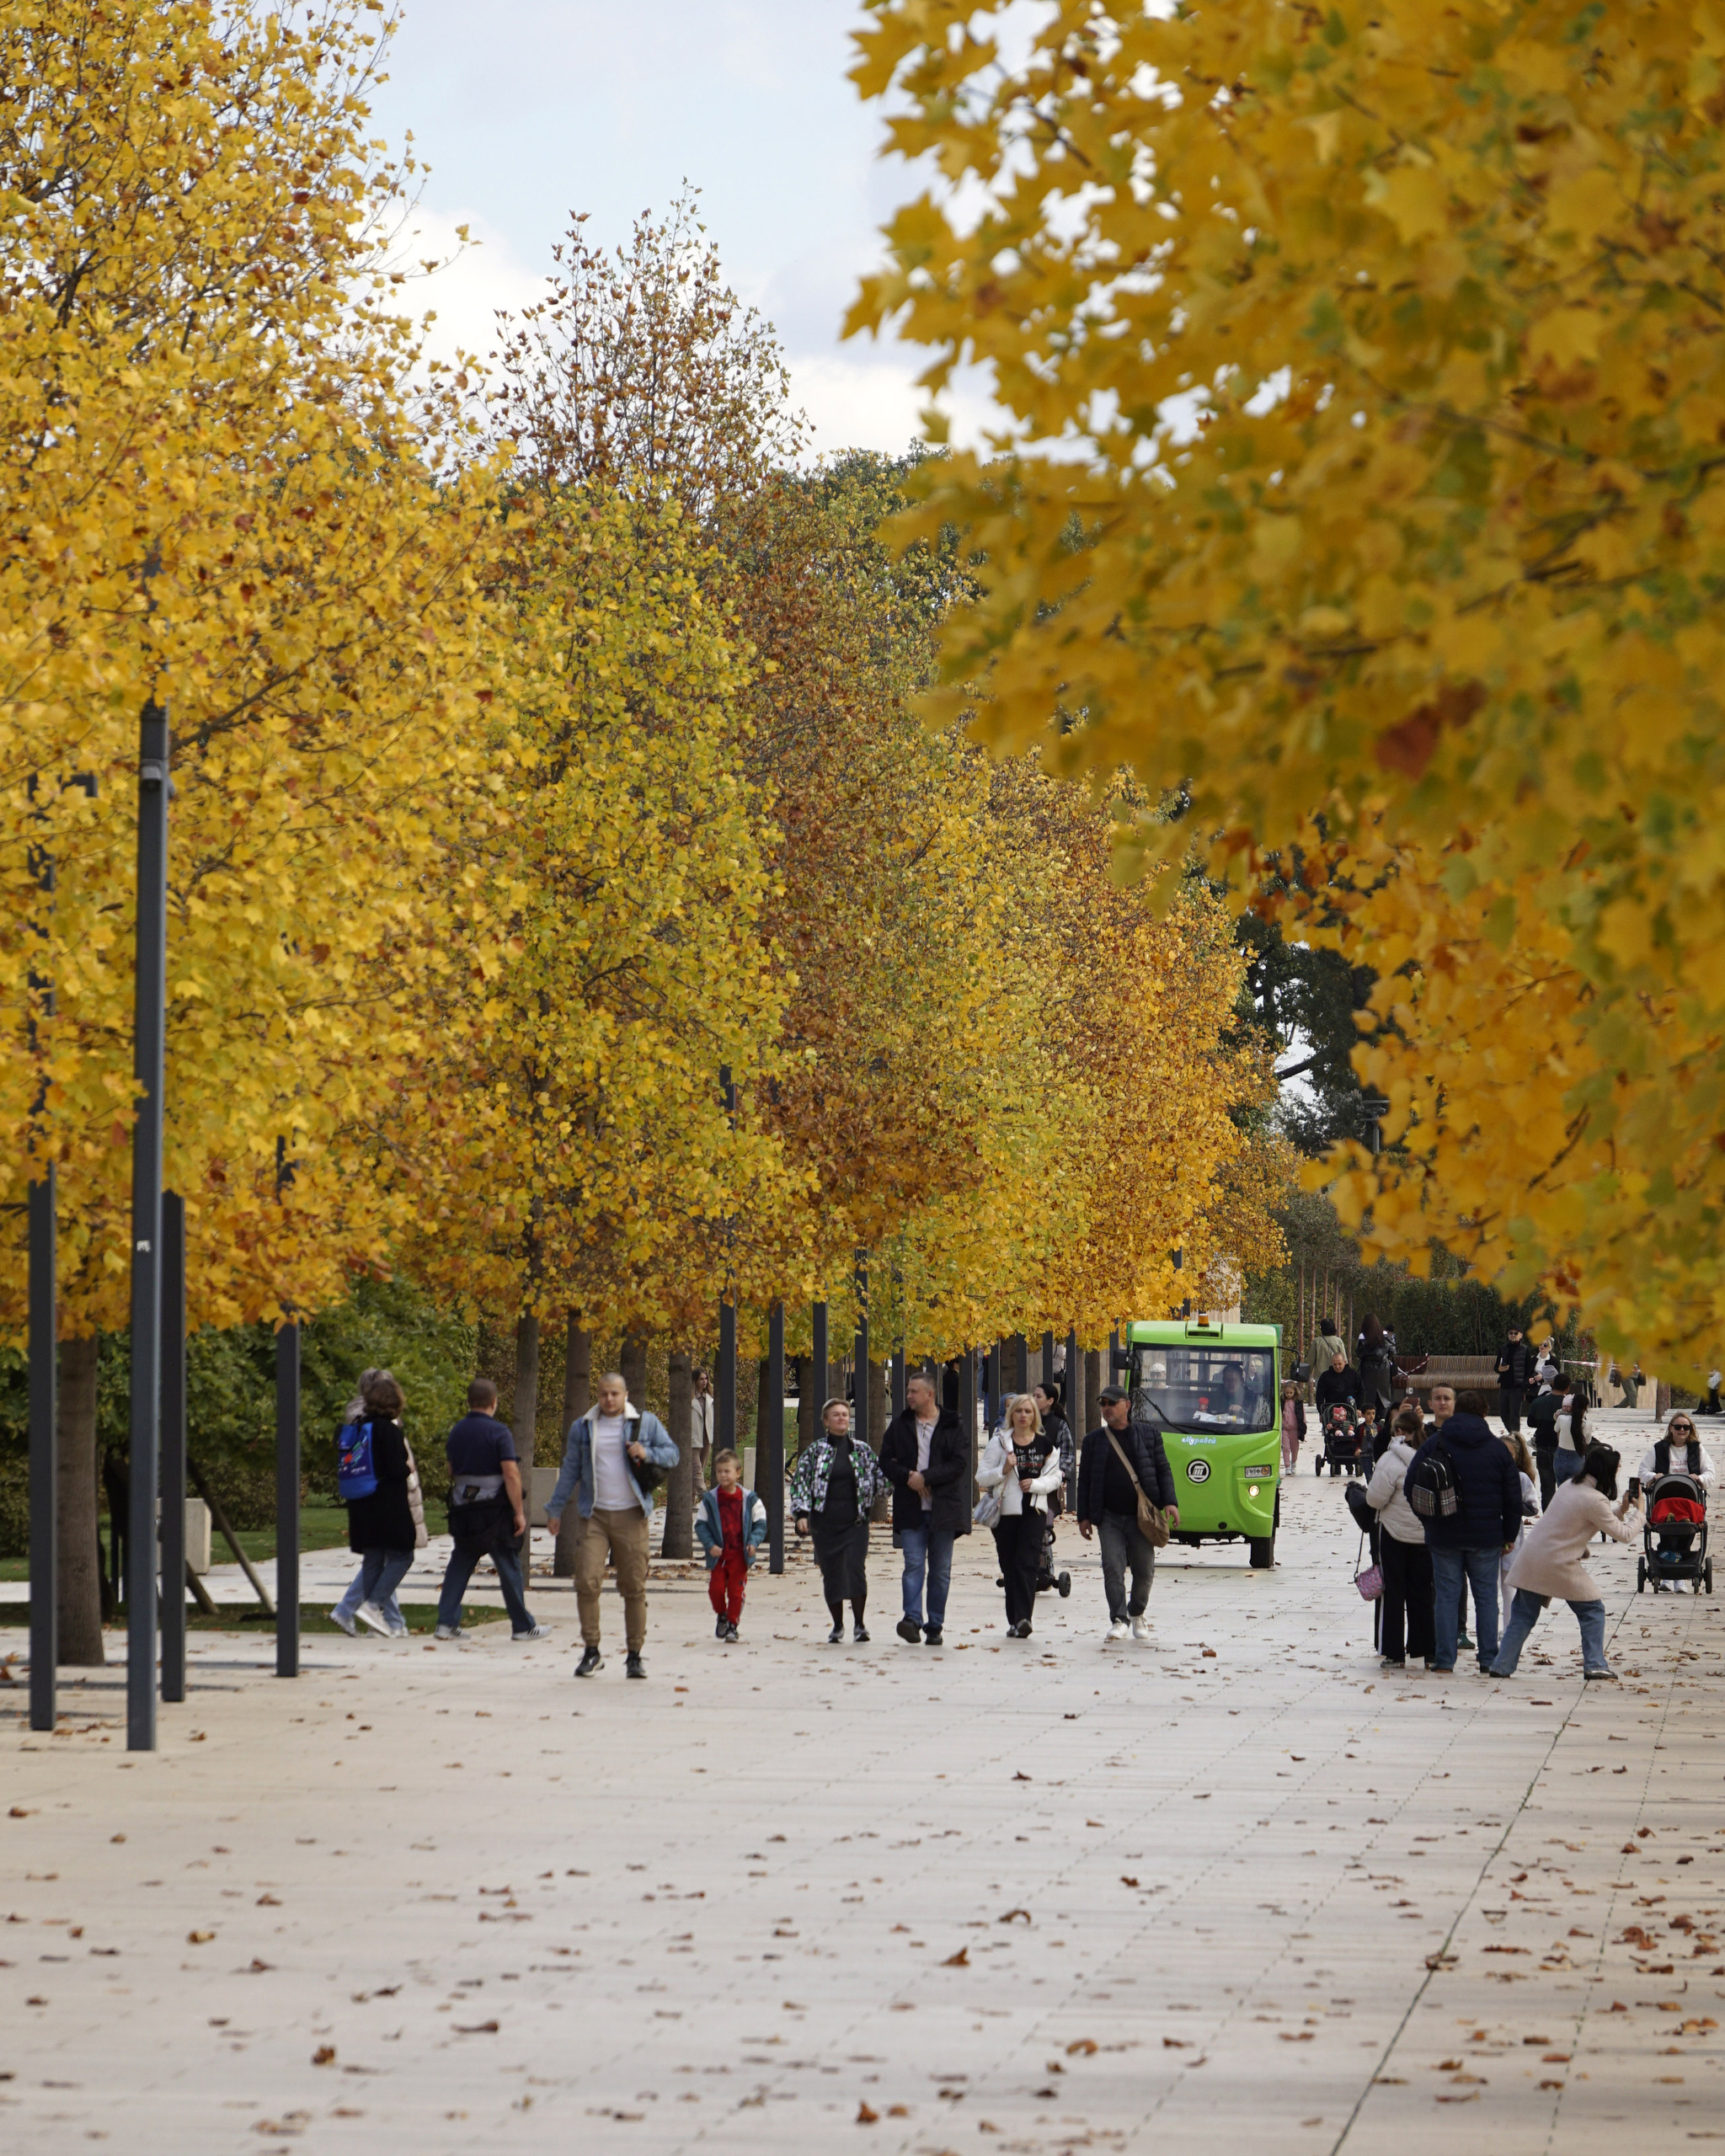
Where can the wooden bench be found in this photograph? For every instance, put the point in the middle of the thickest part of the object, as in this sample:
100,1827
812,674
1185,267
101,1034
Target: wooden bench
1465,1373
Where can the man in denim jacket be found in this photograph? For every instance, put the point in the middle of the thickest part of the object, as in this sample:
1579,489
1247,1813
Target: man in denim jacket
612,1457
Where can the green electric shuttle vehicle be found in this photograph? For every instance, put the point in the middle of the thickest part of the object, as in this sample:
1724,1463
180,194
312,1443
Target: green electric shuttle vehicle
1214,1391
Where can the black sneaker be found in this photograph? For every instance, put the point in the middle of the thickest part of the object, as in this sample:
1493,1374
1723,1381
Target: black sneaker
909,1630
859,1630
1021,1631
730,1635
591,1661
1462,1642
836,1634
720,1629
932,1636
634,1667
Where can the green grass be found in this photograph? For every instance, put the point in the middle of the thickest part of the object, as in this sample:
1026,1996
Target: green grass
314,1618
322,1526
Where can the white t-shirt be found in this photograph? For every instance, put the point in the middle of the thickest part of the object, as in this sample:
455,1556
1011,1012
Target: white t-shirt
925,1439
1704,1473
613,1489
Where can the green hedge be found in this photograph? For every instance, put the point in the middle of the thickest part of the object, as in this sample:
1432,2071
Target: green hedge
231,1400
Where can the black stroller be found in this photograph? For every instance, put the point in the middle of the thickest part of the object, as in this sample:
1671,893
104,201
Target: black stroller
1674,1536
1347,1440
1048,1580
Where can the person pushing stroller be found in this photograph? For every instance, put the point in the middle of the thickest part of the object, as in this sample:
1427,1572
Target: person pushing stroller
1677,1473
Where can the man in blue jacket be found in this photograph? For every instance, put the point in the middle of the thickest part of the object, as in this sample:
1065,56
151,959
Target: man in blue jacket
1472,1538
612,1457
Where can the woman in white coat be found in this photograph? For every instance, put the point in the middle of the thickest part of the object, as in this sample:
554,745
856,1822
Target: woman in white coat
1553,1562
1021,1461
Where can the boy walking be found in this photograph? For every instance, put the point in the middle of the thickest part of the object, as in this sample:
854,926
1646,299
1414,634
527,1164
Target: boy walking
730,1526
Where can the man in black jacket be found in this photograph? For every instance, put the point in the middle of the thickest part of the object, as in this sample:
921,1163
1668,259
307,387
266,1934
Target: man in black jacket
1107,1504
1518,1366
926,1456
1470,1540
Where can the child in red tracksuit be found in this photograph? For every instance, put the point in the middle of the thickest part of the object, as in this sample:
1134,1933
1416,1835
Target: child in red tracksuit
730,1526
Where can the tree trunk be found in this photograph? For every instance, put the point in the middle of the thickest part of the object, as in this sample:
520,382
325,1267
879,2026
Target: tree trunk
876,1423
524,1415
1092,1386
763,1415
808,1406
577,1399
80,1550
633,1360
679,1537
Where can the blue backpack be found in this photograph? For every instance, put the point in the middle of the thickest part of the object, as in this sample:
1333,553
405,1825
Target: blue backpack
356,1475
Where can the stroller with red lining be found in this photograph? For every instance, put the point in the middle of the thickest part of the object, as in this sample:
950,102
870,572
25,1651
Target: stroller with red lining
1677,1516
1348,1434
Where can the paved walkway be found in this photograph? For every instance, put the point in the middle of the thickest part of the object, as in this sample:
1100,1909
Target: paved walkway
1035,1896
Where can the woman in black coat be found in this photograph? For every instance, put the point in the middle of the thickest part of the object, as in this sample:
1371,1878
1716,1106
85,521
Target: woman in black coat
381,1528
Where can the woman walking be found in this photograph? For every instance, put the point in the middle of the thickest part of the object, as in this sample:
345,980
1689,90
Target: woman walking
1553,1561
1377,1367
1021,1461
1402,1555
834,1487
382,1529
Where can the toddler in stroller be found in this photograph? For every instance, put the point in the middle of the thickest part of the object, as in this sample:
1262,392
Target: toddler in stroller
1347,1431
1677,1473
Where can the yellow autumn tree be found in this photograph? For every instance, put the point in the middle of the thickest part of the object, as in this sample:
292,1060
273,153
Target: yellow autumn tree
1358,481
592,1163
218,497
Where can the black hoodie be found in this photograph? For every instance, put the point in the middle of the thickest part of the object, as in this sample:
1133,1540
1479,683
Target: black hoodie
1488,1484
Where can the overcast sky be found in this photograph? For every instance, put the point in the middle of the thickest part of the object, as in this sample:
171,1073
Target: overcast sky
528,110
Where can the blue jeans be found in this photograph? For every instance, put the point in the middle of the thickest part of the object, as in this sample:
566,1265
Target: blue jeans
1566,1466
1480,1567
381,1572
1525,1614
927,1552
462,1565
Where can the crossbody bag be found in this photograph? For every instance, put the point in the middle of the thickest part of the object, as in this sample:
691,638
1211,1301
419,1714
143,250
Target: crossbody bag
1151,1523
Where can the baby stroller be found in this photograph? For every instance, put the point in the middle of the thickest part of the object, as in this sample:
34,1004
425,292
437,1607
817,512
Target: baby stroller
1048,1580
1347,1440
1674,1536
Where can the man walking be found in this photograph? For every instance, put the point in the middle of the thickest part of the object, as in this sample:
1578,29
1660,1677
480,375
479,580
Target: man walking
925,1457
486,1516
1118,1460
613,1456
1469,1542
1516,1367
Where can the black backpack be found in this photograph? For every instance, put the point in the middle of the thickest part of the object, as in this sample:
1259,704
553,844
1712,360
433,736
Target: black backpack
1432,1491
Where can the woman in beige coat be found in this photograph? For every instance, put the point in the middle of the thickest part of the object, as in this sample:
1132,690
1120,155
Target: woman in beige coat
1553,1562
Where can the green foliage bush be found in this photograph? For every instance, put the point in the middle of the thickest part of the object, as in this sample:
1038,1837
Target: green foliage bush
231,1400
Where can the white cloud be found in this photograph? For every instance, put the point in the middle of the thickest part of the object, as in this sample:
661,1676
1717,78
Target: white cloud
478,279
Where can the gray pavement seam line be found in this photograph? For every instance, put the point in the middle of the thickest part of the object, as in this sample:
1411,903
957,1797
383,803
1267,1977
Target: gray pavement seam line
1435,1963
1605,1928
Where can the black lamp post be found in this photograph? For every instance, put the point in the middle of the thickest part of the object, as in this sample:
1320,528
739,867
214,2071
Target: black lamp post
150,1028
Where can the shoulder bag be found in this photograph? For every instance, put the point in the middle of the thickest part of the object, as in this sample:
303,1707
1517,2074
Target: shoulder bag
1151,1523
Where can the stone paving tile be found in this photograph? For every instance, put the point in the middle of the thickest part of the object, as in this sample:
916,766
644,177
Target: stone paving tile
1035,1896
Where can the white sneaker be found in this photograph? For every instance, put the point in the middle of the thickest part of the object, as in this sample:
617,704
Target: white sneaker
368,1612
448,1632
1140,1628
538,1632
1119,1630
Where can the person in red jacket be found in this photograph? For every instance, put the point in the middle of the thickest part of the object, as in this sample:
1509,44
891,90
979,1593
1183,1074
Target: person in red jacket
730,1526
